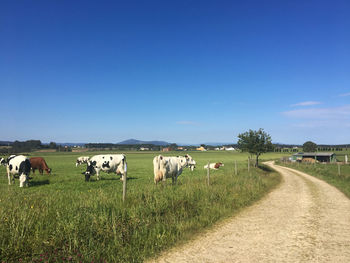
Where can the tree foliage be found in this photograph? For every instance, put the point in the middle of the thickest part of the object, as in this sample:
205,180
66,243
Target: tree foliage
309,146
255,142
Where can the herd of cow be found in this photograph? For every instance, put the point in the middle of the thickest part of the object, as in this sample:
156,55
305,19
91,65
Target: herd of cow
19,166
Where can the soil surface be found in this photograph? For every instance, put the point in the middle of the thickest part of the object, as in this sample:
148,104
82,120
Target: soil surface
303,220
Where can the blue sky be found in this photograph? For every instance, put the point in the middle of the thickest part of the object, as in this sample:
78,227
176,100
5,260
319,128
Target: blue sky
180,71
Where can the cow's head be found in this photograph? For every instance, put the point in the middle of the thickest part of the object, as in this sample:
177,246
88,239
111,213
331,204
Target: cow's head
23,180
183,161
90,170
217,165
191,163
49,170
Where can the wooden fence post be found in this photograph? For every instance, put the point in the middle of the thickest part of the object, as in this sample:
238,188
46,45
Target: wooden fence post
208,174
338,169
124,182
315,160
235,167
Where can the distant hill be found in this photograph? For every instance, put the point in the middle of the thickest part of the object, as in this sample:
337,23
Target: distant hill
5,143
134,141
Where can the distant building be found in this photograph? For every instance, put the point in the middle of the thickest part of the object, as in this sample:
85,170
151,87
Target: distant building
144,149
323,157
230,149
201,149
167,149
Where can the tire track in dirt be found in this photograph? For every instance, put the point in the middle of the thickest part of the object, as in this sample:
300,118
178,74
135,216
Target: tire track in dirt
303,220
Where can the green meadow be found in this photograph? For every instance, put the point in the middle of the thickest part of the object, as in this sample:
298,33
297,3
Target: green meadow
60,217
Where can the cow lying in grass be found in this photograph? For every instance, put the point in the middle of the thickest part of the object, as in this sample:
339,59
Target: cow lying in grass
214,166
170,167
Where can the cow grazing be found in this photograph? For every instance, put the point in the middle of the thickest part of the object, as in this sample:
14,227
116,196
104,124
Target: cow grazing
213,166
3,161
40,164
81,160
169,167
18,166
107,163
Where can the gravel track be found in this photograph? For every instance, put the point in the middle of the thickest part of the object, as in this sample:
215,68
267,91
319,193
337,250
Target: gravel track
303,220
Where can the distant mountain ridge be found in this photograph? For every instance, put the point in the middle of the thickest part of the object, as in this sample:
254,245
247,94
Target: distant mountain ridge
134,141
5,142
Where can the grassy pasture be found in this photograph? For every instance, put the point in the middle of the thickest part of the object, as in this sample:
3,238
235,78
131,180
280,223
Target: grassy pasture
63,218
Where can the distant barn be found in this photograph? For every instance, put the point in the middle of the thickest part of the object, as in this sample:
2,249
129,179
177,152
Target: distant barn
323,157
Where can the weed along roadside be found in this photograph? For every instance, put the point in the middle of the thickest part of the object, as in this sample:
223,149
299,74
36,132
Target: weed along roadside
68,219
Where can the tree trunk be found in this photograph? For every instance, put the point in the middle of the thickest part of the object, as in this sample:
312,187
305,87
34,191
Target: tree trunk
257,161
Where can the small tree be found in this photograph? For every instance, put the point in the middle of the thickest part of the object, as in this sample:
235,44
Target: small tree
255,142
309,146
52,145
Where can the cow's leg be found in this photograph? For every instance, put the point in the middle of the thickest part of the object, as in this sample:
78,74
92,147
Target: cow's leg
41,171
98,174
22,180
177,175
162,177
9,178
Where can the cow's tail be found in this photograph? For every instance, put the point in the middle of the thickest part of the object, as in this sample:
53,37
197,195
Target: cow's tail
125,165
158,171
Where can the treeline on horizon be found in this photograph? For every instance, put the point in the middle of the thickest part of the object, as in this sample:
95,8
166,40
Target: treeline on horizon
7,147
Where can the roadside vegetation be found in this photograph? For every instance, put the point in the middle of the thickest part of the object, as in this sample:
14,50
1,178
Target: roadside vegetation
334,174
60,217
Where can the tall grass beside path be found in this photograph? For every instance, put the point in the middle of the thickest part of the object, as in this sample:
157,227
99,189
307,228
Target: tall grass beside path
61,218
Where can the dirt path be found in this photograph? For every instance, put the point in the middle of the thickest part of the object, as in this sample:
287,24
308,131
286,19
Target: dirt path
303,220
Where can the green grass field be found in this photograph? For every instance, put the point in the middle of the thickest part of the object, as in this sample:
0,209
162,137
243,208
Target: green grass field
61,217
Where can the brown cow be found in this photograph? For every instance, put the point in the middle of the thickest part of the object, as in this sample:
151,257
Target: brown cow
214,166
40,164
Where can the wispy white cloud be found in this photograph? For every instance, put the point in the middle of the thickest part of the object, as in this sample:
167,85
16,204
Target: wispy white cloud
306,103
323,124
335,113
344,94
187,123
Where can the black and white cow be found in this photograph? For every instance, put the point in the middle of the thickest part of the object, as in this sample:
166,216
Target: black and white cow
3,161
18,166
81,160
107,163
